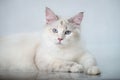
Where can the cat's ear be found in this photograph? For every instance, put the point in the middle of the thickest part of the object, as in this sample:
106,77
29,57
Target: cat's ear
77,18
50,16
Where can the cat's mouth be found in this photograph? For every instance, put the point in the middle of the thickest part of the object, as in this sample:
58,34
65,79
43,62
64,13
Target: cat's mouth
59,43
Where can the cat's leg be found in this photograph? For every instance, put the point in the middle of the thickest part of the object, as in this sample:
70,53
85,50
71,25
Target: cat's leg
60,65
66,66
89,64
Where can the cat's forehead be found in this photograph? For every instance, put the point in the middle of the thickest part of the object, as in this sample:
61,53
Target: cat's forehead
62,23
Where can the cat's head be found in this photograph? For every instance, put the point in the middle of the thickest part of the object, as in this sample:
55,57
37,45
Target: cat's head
61,31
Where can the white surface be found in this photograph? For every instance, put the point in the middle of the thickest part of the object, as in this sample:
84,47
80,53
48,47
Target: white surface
100,26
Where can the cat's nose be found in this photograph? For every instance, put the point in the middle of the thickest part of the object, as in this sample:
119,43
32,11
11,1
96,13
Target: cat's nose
60,39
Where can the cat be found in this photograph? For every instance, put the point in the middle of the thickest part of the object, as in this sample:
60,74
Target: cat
56,48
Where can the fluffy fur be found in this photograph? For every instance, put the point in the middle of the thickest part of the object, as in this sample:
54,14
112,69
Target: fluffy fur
57,48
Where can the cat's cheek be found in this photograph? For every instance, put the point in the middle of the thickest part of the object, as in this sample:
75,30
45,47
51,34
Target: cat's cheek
55,41
65,42
52,39
67,39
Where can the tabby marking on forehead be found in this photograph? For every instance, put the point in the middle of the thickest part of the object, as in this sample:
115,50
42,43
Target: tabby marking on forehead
61,22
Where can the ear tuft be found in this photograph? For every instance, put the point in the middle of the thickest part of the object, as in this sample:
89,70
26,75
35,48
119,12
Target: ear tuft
77,19
50,16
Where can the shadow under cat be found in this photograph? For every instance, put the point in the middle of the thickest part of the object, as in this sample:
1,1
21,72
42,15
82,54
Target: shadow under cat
46,76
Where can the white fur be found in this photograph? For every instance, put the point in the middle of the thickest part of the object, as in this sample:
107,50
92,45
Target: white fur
67,56
17,52
43,52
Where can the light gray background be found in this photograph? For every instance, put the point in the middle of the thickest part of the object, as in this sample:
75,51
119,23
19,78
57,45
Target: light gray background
100,26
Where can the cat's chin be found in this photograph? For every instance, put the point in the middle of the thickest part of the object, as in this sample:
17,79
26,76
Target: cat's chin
60,44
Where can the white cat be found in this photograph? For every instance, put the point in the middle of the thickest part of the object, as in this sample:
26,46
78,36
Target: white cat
57,49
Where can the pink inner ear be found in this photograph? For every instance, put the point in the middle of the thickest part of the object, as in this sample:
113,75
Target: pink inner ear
50,16
76,19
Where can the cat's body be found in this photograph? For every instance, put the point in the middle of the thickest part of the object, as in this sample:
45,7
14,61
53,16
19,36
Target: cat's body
17,52
57,48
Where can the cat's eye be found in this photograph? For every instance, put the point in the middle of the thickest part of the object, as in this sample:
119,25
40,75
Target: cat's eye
67,32
55,30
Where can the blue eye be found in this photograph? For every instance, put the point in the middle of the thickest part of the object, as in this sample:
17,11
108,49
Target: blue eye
55,30
67,32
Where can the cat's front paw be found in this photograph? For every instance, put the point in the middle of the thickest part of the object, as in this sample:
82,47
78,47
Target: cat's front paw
76,68
73,67
67,67
93,70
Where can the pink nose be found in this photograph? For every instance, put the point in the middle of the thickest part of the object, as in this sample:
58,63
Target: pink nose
60,39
